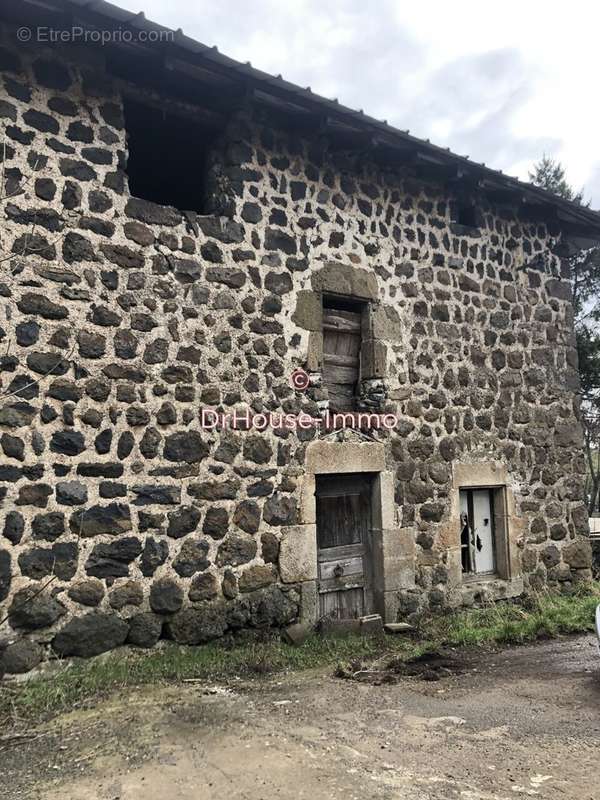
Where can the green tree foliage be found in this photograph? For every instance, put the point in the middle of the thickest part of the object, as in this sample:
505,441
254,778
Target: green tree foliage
550,174
584,269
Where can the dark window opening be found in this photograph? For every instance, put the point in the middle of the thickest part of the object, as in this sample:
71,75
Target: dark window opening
477,532
466,215
342,326
342,303
168,152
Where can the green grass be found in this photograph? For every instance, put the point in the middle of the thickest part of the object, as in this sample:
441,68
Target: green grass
541,616
83,683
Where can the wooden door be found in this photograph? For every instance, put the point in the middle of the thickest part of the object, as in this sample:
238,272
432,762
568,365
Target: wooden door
341,356
343,546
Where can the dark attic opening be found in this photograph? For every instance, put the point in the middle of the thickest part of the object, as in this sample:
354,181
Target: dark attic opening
168,156
466,214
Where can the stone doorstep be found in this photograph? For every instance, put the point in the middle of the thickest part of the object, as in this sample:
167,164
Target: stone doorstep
398,627
296,634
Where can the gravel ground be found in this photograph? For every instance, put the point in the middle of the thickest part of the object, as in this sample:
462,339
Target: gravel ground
522,722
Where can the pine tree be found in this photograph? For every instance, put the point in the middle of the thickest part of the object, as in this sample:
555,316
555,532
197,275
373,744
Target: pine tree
550,174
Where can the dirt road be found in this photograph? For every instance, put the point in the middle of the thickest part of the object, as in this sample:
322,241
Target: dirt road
519,723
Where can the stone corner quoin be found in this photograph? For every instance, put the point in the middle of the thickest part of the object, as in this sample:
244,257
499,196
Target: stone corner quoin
126,318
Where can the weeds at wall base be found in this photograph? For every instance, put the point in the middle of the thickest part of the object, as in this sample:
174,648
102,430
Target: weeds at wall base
82,684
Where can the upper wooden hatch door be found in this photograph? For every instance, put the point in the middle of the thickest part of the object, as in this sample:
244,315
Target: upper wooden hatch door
343,545
341,357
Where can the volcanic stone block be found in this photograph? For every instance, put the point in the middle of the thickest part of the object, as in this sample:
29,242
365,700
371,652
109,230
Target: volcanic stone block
270,547
247,516
16,415
257,449
151,213
151,494
34,495
112,559
71,493
229,584
111,519
216,522
20,656
126,594
192,558
14,526
187,446
87,592
578,554
278,240
125,444
65,390
215,490
106,469
166,596
48,526
236,549
69,443
154,554
550,555
280,509
228,276
257,576
27,333
203,587
193,626
144,629
12,446
265,608
36,563
183,521
90,635
39,305
31,609
5,574
222,229
9,473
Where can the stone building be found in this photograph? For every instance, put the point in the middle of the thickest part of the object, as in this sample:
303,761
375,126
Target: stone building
184,237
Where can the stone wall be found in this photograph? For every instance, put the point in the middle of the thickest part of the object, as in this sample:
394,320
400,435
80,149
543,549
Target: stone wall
121,320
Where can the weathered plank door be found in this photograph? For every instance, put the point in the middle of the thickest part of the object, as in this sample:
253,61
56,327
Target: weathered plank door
341,356
343,546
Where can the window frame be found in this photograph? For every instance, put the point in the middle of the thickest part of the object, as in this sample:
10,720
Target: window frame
500,533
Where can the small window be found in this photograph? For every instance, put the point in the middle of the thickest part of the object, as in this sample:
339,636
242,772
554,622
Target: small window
167,161
466,215
342,324
477,532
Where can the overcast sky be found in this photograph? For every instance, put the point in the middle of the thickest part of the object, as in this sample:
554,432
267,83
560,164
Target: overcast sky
503,83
